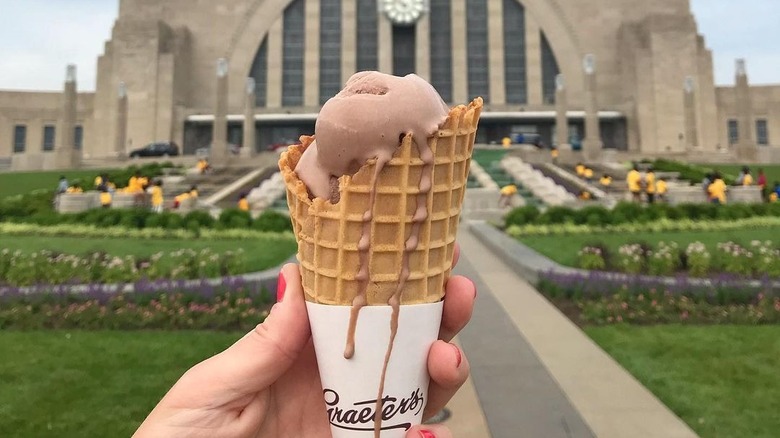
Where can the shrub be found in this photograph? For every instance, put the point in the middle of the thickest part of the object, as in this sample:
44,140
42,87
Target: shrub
522,215
664,260
273,221
698,259
630,258
594,215
203,218
591,258
235,218
627,212
557,215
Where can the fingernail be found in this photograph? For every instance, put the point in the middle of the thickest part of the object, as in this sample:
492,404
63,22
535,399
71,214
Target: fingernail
458,355
281,285
427,434
474,285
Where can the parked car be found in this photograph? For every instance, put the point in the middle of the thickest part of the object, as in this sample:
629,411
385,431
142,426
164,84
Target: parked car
159,149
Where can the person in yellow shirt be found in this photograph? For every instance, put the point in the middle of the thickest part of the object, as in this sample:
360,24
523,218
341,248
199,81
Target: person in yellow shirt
585,195
554,154
194,192
105,196
717,189
650,185
634,181
661,189
100,180
507,192
605,181
588,174
203,165
134,183
746,177
580,169
157,196
243,203
506,142
180,198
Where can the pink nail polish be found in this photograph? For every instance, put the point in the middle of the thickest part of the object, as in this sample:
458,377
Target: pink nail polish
427,434
458,355
281,286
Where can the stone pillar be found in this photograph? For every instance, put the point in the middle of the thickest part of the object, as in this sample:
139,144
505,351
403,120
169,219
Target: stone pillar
592,145
562,121
248,149
496,52
689,103
561,107
120,139
219,148
746,148
422,53
385,44
533,61
460,67
66,154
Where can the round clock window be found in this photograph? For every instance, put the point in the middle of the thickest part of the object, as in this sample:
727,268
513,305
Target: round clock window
403,12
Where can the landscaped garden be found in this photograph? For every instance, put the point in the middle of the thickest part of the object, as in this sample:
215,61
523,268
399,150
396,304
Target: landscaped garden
687,298
101,311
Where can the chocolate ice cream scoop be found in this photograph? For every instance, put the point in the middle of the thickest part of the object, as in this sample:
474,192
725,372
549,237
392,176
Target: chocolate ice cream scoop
366,120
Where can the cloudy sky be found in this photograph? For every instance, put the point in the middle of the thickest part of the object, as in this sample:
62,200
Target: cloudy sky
39,37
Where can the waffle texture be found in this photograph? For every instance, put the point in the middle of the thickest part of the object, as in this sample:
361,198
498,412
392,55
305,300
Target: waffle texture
328,234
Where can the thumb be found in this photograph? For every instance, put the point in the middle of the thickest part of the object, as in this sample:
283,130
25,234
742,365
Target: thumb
258,359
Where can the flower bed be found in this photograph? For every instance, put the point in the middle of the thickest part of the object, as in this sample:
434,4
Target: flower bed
605,298
759,259
232,305
46,267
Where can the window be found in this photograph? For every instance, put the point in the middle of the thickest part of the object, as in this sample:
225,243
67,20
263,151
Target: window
367,44
20,138
330,49
48,138
733,129
292,61
78,137
260,73
762,132
441,50
477,49
514,52
549,71
403,50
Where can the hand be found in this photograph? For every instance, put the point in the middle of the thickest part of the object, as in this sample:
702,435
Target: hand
267,383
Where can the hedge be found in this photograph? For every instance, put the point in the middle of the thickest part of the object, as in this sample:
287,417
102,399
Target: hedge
626,212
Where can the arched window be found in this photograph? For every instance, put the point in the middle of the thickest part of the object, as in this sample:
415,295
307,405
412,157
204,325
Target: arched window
514,53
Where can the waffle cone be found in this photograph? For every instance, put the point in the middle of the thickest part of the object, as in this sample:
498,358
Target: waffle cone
328,233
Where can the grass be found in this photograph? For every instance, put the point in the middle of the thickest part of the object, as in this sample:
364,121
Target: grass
722,380
92,384
19,183
563,249
260,253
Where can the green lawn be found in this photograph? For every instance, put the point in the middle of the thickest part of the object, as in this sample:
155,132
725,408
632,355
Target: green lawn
563,249
18,183
722,380
260,253
92,384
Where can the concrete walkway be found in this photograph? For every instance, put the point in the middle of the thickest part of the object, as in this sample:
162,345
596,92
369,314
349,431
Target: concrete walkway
537,375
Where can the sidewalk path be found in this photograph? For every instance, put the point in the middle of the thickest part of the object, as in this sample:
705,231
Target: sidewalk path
538,375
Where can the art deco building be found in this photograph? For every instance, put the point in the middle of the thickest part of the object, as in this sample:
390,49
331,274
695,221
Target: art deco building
652,74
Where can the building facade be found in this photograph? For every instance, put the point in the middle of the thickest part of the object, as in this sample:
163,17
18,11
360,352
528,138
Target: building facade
654,86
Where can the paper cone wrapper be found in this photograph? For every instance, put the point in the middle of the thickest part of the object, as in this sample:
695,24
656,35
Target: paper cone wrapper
350,386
